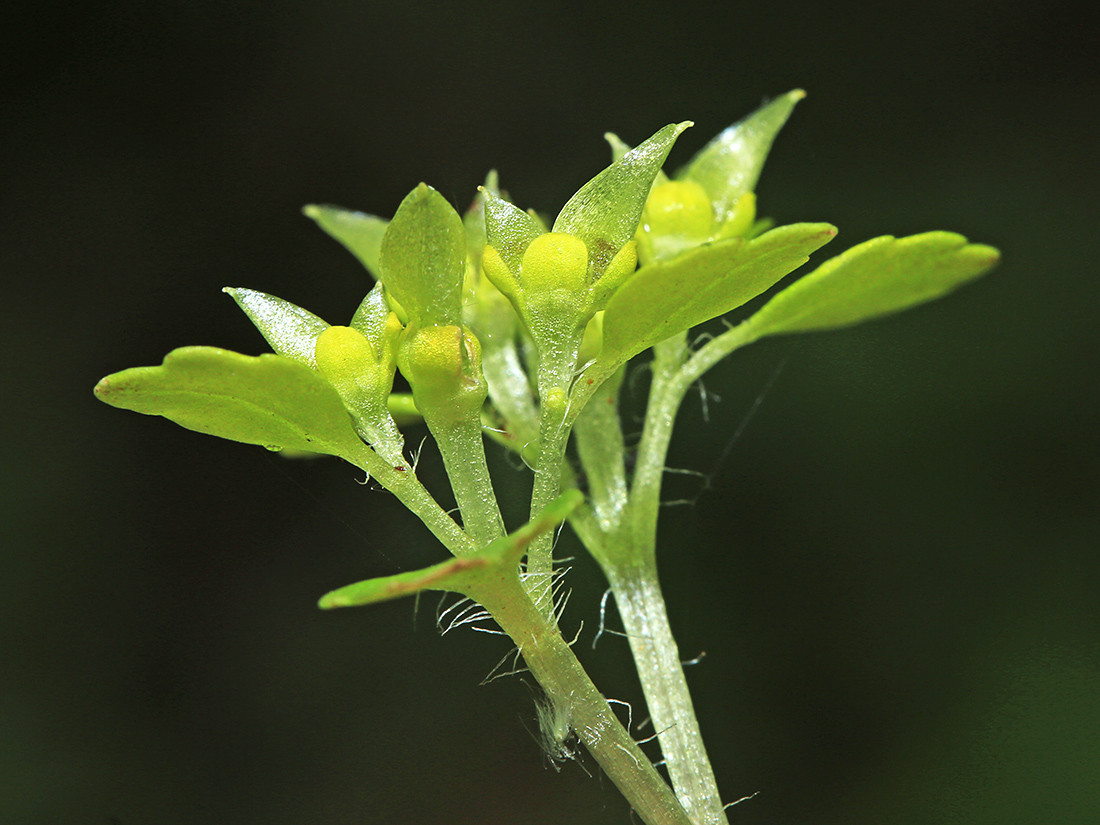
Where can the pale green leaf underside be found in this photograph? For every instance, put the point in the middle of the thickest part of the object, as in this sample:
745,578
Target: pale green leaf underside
268,400
880,276
423,257
360,233
291,330
664,298
474,575
604,213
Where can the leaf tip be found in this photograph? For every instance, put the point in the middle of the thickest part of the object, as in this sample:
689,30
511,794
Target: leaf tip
331,600
102,388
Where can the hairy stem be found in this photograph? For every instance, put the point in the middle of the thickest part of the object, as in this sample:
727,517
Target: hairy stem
555,372
656,656
552,662
628,557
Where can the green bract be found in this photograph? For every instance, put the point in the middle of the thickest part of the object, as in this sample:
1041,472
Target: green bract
291,330
479,575
423,258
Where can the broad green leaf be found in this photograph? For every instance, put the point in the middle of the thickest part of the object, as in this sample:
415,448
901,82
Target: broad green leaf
508,229
423,257
360,233
269,400
730,165
291,330
477,574
877,277
664,298
604,213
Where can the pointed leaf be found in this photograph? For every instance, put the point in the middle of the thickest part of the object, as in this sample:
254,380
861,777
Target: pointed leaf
449,575
360,233
730,165
268,400
619,148
423,257
508,229
370,318
605,212
877,277
291,330
476,574
662,299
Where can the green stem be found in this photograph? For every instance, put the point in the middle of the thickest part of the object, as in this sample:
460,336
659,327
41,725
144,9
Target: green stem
657,659
554,374
629,561
401,480
552,662
601,450
463,449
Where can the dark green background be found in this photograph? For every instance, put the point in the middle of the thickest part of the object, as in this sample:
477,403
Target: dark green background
894,573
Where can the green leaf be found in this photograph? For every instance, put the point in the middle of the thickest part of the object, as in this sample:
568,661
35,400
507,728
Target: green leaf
477,574
360,233
664,298
509,230
371,316
730,165
423,257
877,277
291,330
268,400
604,213
452,575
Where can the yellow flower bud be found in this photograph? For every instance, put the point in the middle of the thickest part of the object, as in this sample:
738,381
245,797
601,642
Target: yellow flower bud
554,261
443,365
679,208
348,361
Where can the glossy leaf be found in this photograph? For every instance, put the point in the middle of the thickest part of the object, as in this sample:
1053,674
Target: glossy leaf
619,148
730,165
474,575
269,400
662,299
508,229
291,330
361,234
604,213
877,277
371,316
423,257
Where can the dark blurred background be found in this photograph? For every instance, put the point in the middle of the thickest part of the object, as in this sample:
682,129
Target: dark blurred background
894,573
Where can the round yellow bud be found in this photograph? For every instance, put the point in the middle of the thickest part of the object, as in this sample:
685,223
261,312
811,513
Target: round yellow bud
679,208
348,361
554,261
